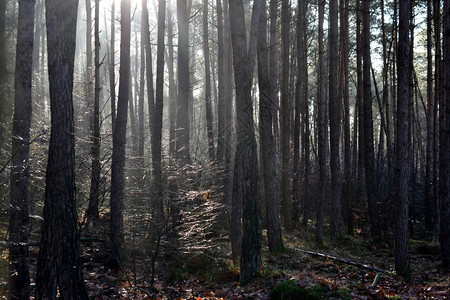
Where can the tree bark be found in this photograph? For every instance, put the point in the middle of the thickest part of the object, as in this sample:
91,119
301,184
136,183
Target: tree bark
119,135
402,265
335,121
266,110
182,132
19,273
246,149
445,145
112,67
59,263
286,204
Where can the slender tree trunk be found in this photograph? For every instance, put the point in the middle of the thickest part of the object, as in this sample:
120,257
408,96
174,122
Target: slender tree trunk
321,128
157,112
305,139
92,212
88,118
19,273
246,149
182,140
119,134
430,128
266,111
59,263
273,67
3,73
221,145
208,101
285,116
335,121
359,93
445,145
344,92
172,85
141,126
368,125
402,266
112,67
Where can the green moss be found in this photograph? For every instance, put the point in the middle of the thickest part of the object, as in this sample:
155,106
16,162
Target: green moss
289,290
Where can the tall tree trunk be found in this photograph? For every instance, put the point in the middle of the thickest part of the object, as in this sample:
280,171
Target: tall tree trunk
445,145
19,273
112,67
359,93
273,67
246,149
402,266
172,85
92,212
344,93
285,116
59,263
88,118
266,110
322,128
221,145
305,139
297,112
119,134
157,113
3,73
369,162
141,125
430,126
208,101
335,120
438,91
182,140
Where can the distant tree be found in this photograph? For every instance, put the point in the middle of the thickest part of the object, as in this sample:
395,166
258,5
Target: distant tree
157,113
208,100
402,266
59,263
369,162
246,149
322,128
266,111
445,145
172,85
19,280
221,105
94,193
335,120
119,134
182,139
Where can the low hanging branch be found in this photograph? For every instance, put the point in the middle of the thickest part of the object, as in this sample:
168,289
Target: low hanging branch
342,260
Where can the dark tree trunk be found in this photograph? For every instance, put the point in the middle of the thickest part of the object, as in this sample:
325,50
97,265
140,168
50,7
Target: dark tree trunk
182,132
335,121
3,72
19,273
344,93
119,134
221,145
273,68
266,110
359,94
402,266
445,145
59,263
437,99
157,113
112,67
92,213
208,101
430,126
246,149
285,116
305,113
141,104
322,128
297,113
369,162
172,85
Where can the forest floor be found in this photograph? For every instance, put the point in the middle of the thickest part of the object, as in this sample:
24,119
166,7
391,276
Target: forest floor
212,276
200,277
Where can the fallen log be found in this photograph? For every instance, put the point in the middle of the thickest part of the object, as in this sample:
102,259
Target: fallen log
342,260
